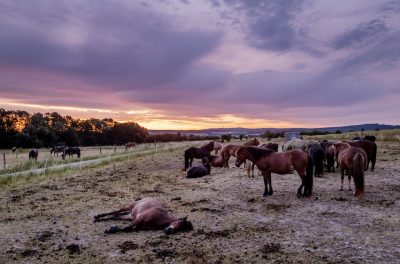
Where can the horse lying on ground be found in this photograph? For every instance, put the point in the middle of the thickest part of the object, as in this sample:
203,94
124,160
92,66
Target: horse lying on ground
354,160
231,149
71,151
198,153
369,147
33,154
145,214
269,161
216,161
200,170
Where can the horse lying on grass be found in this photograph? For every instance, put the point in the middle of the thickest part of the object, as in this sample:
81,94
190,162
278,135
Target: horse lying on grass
268,161
200,170
145,214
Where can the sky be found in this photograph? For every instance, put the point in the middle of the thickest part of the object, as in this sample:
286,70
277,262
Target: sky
189,64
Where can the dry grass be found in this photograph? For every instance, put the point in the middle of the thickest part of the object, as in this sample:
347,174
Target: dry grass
50,220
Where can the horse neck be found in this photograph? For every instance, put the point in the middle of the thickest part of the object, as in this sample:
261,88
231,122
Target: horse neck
248,154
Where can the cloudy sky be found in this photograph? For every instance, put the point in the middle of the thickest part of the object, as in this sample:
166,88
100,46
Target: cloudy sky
196,64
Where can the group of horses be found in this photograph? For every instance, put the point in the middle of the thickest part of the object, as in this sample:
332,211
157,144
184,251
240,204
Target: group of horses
306,157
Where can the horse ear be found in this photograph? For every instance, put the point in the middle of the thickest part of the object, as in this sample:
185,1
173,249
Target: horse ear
185,218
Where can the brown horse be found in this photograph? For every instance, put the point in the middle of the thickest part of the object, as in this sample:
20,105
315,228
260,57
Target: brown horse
217,147
145,214
353,159
231,149
250,165
130,145
198,153
216,161
268,161
273,146
369,147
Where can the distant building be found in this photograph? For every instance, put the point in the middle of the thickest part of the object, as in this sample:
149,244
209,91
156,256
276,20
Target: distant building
291,135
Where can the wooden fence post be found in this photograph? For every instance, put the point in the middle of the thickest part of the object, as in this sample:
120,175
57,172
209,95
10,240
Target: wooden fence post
45,165
115,149
4,160
101,154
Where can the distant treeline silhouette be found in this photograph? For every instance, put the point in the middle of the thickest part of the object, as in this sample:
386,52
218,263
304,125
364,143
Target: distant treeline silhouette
20,129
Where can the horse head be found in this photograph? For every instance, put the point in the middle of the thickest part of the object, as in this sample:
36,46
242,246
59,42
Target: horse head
240,158
181,224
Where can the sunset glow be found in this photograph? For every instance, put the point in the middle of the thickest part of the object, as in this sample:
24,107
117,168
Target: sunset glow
203,64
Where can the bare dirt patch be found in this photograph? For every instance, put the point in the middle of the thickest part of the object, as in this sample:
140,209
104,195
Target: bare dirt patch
51,221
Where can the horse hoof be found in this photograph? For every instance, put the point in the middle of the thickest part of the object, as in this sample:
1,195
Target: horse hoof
270,193
265,194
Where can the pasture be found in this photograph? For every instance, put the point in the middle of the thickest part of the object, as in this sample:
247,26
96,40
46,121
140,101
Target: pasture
50,220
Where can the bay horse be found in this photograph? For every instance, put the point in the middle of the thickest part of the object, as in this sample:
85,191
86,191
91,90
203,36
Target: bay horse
273,146
250,165
353,159
33,154
217,147
369,147
231,149
71,151
200,170
198,153
268,161
130,145
145,214
216,161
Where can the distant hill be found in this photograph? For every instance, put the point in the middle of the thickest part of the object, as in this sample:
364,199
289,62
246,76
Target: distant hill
258,131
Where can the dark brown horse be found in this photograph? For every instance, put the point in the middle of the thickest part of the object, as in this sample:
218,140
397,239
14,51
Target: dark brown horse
231,149
71,151
353,160
268,161
130,145
369,147
250,165
197,153
145,214
273,146
200,170
216,161
33,154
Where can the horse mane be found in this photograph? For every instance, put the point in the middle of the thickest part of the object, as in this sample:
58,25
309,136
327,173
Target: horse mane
257,152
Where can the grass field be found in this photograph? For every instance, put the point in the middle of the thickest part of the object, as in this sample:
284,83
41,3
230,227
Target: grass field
50,220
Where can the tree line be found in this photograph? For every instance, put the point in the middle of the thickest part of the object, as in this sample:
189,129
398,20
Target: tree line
23,130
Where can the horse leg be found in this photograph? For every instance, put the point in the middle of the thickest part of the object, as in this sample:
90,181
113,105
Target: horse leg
129,228
349,177
252,169
270,192
299,194
122,211
265,183
342,178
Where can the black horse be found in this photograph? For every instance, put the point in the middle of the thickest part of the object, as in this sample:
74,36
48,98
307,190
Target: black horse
317,153
71,151
57,149
199,171
370,138
198,153
33,154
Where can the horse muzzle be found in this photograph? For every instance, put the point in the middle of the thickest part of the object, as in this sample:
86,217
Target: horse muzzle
168,230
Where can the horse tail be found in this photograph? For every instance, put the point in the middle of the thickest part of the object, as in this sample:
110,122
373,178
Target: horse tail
358,173
308,179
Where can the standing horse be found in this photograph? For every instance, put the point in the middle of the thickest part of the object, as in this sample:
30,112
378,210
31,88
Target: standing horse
33,154
369,147
57,149
198,153
130,145
231,149
318,155
269,161
145,214
250,165
370,138
273,146
217,147
353,160
71,151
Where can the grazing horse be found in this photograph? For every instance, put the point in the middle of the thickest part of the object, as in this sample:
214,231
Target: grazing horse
198,153
269,161
130,145
231,149
217,147
71,151
369,147
318,155
33,154
353,159
57,149
200,170
145,214
370,138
